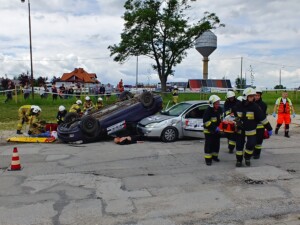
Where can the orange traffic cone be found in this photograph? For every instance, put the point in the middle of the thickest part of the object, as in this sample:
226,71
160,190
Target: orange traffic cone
15,161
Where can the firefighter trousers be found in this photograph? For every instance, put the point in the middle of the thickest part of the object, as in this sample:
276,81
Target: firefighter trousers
240,143
259,141
212,146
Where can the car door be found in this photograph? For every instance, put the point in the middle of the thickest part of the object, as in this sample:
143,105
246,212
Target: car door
192,122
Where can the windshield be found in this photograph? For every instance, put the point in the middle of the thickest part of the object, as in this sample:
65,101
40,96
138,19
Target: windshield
177,109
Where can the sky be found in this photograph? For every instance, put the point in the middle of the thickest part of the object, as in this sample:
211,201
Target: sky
261,37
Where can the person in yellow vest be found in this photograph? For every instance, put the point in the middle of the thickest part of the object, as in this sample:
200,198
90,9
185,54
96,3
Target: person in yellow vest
28,114
175,94
88,104
99,103
284,108
76,107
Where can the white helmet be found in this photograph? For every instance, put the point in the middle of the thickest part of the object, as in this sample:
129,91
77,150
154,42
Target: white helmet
78,102
212,99
258,90
247,92
230,94
61,108
100,99
240,98
87,98
35,109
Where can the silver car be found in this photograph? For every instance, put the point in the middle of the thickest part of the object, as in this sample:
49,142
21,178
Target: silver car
181,120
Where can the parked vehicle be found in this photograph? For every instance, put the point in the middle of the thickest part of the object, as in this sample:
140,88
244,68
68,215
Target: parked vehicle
112,118
184,119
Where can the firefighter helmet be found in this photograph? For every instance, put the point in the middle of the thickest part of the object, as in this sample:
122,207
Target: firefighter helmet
230,94
247,92
87,98
78,102
100,99
35,109
240,98
212,99
61,108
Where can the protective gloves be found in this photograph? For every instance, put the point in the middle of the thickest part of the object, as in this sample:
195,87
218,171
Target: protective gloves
274,114
270,132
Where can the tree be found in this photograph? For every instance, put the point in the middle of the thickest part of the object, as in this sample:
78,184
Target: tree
240,83
161,31
280,86
24,78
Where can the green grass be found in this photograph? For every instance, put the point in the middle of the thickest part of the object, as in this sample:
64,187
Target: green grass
9,111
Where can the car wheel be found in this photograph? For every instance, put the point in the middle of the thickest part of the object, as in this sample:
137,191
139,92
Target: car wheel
169,134
89,125
125,95
70,117
146,98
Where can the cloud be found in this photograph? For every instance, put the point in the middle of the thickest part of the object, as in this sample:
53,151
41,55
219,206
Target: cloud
69,34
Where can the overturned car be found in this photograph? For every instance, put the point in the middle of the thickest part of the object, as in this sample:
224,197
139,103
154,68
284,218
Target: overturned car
98,124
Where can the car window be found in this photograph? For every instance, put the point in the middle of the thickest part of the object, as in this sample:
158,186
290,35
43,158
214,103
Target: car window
178,109
197,112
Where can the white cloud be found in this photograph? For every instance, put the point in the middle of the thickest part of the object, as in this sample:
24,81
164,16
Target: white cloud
69,34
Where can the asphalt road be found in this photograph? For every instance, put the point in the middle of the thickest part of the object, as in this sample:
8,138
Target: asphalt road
150,183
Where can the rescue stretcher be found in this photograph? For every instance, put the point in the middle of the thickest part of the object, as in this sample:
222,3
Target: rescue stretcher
51,127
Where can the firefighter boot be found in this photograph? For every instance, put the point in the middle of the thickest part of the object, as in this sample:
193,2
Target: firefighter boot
239,164
256,153
19,132
286,134
215,158
276,130
208,162
247,162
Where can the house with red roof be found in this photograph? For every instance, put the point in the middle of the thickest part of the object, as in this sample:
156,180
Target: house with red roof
79,75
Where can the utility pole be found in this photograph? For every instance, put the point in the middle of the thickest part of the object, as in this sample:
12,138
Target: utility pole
241,82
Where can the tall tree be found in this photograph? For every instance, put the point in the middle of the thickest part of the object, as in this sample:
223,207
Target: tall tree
240,83
160,30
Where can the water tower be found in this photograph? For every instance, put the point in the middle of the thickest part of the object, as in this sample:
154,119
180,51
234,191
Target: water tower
206,43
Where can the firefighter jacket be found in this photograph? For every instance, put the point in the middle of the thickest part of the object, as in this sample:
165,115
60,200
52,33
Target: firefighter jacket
250,115
284,108
263,106
99,105
175,92
61,116
88,105
211,119
75,108
228,105
35,126
24,113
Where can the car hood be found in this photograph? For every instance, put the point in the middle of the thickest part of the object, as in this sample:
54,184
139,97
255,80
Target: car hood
154,119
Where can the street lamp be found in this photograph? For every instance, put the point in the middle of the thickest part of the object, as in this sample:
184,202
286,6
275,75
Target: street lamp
30,46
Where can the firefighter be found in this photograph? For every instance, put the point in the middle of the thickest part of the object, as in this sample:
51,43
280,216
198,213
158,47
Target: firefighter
25,114
175,94
248,115
260,129
211,119
99,103
285,107
88,104
76,107
228,105
61,114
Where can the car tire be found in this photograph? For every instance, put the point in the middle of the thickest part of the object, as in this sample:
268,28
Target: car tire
169,134
70,117
125,95
89,125
146,98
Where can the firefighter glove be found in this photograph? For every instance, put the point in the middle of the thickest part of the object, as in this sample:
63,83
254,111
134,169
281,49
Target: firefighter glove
274,114
294,115
270,132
